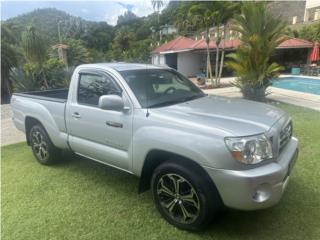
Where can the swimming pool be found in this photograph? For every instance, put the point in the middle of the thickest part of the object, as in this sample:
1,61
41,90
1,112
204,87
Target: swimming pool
299,84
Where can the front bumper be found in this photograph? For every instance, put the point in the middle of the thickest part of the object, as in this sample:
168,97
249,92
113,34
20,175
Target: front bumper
256,188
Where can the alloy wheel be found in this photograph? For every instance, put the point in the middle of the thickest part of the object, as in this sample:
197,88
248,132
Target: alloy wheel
178,198
39,145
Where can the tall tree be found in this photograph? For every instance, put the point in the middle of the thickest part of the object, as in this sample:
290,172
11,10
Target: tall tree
224,12
202,14
124,38
260,33
35,50
157,5
8,59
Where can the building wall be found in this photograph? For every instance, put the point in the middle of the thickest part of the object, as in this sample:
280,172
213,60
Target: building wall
288,10
162,60
312,3
189,63
312,12
158,59
155,59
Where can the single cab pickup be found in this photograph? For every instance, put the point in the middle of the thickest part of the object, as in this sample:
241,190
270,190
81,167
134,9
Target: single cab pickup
195,152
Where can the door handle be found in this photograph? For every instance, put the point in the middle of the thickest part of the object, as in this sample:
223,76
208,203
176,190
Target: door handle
114,124
76,115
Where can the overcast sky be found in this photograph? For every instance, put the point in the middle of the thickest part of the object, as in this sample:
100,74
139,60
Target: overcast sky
90,10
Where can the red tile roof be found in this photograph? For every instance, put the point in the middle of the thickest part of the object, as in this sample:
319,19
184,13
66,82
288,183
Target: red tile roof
180,43
201,44
296,43
184,43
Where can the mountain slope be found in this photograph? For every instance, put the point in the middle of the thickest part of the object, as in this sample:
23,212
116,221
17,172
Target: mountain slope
46,20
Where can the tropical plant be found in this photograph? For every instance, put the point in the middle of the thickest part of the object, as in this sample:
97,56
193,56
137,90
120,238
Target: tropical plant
311,32
260,33
35,50
122,43
8,59
77,53
184,24
23,81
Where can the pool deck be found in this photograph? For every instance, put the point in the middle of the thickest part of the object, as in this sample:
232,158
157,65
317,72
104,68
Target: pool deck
301,99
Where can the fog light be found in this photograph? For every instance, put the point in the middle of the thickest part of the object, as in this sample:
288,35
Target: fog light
262,193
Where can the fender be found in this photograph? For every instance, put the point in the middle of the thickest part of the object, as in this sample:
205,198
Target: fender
199,148
41,113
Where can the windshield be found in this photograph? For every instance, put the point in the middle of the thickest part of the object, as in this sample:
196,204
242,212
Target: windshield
160,87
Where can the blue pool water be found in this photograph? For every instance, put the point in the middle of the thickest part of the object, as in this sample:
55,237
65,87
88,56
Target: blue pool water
299,84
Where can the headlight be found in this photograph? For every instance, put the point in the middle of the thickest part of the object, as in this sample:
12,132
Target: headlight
250,150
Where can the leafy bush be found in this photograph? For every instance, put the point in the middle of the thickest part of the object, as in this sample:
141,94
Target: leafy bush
29,78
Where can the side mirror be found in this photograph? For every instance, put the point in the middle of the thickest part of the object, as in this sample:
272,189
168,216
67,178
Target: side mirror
111,102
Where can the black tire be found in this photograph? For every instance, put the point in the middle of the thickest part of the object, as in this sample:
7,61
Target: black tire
43,149
205,201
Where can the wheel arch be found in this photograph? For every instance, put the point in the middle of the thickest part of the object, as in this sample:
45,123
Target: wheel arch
156,157
29,123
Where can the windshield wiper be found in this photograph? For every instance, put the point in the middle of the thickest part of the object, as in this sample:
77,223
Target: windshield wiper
181,100
192,97
166,103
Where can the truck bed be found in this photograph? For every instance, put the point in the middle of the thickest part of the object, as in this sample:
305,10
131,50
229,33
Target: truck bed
57,95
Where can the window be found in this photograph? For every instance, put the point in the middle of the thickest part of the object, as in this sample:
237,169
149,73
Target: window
92,86
294,20
160,87
317,14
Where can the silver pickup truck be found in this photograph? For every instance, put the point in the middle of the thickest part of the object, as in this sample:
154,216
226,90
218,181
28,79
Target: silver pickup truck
196,152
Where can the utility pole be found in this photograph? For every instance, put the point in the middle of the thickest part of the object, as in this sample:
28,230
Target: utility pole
59,32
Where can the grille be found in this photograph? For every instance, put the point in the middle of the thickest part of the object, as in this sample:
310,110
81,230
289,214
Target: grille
285,135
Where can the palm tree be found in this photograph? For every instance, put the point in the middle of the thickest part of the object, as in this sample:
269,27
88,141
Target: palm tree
9,59
157,5
223,14
202,14
35,50
260,33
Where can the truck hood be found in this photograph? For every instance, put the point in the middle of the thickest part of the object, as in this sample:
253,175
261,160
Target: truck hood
223,116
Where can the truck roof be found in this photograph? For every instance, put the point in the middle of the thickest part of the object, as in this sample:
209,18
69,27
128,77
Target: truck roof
122,66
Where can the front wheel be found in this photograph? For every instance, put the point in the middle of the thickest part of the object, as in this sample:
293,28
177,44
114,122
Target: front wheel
183,196
43,149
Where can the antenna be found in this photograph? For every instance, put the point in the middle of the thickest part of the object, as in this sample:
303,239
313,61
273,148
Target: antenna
146,86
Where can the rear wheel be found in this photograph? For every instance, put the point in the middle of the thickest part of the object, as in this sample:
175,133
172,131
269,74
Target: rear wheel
43,149
183,196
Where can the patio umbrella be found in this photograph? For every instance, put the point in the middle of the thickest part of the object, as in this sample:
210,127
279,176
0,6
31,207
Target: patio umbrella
314,56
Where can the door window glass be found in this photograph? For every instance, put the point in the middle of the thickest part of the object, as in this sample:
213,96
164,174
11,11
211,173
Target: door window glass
93,86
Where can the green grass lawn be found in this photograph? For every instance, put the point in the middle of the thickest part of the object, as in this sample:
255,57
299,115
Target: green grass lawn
80,199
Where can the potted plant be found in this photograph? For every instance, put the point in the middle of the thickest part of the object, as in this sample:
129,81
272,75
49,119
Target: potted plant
260,34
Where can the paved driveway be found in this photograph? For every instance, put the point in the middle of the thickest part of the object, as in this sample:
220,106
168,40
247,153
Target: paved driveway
9,133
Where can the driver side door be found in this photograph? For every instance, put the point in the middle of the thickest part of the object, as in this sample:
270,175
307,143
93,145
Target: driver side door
102,135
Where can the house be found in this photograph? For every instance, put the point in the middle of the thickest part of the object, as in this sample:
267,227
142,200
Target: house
168,29
189,56
312,11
